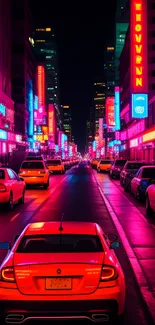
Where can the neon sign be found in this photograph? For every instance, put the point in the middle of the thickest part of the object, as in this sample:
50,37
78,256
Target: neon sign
139,46
110,116
41,89
2,109
149,136
139,105
134,143
139,65
117,108
100,129
3,135
51,119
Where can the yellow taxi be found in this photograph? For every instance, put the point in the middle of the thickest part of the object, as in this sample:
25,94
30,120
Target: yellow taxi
34,172
55,165
104,165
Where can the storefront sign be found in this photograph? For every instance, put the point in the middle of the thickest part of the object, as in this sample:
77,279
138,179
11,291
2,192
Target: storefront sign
2,109
110,116
149,136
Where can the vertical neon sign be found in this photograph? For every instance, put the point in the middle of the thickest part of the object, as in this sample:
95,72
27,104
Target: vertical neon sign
100,129
41,88
110,118
117,109
139,56
51,123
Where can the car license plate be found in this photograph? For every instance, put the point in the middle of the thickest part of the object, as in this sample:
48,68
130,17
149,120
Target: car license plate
58,284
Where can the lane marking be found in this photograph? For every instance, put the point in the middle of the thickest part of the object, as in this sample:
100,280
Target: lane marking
40,206
15,216
134,262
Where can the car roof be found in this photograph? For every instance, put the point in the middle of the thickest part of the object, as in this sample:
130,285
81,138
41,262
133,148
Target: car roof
135,161
69,227
148,166
33,160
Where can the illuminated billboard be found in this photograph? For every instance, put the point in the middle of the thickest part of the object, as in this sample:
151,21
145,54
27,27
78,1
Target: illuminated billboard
110,114
51,121
117,109
100,129
139,105
139,55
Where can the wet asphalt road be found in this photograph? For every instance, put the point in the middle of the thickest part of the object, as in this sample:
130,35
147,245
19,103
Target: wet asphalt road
76,195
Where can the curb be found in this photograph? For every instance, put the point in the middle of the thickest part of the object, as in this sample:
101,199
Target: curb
140,277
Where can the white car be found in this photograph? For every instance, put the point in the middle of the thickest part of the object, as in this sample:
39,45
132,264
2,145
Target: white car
150,198
12,188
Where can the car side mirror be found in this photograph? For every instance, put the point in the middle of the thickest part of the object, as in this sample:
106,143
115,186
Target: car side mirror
15,238
115,245
5,245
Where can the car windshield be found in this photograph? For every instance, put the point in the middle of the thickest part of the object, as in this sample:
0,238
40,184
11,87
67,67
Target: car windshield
32,165
120,162
2,174
134,165
60,244
148,173
53,162
105,162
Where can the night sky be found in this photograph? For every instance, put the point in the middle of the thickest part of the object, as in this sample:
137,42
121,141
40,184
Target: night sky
81,33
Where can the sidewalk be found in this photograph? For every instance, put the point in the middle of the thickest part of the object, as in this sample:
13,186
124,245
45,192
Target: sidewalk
137,236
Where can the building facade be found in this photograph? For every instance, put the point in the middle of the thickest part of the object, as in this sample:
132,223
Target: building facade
46,50
67,121
99,104
137,85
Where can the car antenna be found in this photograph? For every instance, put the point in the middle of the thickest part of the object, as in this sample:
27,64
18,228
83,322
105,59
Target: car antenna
61,227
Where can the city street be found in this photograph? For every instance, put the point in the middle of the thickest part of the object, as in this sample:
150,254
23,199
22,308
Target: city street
77,195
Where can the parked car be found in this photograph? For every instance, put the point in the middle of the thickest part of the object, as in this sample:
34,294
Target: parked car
142,180
117,167
150,198
104,165
130,169
94,163
12,188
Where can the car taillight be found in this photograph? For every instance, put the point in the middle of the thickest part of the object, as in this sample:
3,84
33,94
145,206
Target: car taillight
108,273
2,188
7,274
21,172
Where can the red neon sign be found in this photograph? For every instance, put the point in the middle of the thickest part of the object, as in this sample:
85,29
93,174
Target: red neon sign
51,124
110,112
41,88
139,82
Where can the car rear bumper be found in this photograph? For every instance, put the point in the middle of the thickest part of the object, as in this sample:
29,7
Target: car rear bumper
35,180
19,312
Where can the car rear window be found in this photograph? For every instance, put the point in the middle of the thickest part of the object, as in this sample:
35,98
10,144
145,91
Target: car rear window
60,244
134,165
32,165
120,162
105,162
2,174
53,162
148,173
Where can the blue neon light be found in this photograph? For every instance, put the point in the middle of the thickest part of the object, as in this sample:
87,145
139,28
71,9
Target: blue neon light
64,138
94,145
56,148
3,135
30,108
139,105
114,142
2,109
36,102
117,110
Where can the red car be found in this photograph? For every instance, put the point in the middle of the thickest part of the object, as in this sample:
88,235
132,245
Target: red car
61,271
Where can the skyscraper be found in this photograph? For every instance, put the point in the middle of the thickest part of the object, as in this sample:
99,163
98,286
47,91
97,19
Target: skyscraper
67,120
109,69
99,103
122,23
45,48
